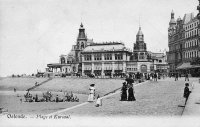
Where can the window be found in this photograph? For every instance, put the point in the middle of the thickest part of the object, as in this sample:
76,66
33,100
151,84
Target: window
160,61
87,57
62,60
108,56
118,56
97,56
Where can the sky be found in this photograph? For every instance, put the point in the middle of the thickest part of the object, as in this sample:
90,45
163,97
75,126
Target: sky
34,33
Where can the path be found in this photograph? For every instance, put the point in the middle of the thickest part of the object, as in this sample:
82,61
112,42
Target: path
192,107
49,79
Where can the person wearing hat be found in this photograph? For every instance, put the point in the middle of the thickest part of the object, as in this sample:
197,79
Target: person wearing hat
186,92
92,93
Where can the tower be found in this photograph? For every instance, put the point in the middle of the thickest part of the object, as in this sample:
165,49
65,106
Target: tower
172,24
139,45
81,43
82,38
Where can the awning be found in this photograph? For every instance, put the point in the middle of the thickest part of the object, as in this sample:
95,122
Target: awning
184,66
56,65
187,66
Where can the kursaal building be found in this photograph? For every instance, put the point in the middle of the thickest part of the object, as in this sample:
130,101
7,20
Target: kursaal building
108,58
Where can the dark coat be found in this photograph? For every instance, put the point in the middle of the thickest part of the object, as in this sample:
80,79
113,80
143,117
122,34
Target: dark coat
124,94
186,92
131,96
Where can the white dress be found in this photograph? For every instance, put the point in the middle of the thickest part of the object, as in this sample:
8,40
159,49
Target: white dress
99,102
91,94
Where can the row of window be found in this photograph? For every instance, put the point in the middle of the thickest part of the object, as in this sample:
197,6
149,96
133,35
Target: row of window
131,69
107,56
192,43
191,26
191,54
191,33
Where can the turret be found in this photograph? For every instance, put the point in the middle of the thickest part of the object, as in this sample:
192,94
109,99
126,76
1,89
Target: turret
82,38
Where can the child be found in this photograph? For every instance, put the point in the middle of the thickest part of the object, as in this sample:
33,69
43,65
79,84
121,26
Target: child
186,92
98,102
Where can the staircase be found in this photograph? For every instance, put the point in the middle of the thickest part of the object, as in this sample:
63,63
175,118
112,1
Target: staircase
49,79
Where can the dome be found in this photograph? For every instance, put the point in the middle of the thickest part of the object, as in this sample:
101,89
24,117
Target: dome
179,19
172,21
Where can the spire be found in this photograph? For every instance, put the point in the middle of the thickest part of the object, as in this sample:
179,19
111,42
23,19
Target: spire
172,14
82,34
139,36
81,26
172,20
139,32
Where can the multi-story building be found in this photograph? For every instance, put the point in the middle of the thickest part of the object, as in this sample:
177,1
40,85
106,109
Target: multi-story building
191,40
183,44
107,58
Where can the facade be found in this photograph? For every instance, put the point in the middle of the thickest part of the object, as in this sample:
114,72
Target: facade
107,58
183,42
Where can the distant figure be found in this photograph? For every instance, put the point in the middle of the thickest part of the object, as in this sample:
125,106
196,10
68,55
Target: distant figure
176,77
186,92
186,77
36,98
21,100
57,99
36,83
14,89
92,93
131,92
124,93
98,102
76,99
155,77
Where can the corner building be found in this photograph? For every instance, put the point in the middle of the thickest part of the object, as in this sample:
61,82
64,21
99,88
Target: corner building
183,42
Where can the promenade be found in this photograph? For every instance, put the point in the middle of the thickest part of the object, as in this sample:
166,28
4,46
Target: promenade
192,107
162,98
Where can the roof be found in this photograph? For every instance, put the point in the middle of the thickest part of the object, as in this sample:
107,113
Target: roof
105,47
71,54
139,31
188,17
56,65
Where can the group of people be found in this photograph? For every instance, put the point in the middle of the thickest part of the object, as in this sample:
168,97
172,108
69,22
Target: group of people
91,97
48,97
127,88
179,75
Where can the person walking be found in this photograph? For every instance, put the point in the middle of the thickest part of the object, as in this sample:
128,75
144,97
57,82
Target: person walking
186,77
92,93
176,76
131,92
155,77
186,92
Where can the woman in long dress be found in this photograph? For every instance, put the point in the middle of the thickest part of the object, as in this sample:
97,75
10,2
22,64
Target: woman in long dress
131,92
91,96
124,93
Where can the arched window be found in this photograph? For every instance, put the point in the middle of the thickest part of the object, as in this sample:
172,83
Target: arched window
82,45
62,60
